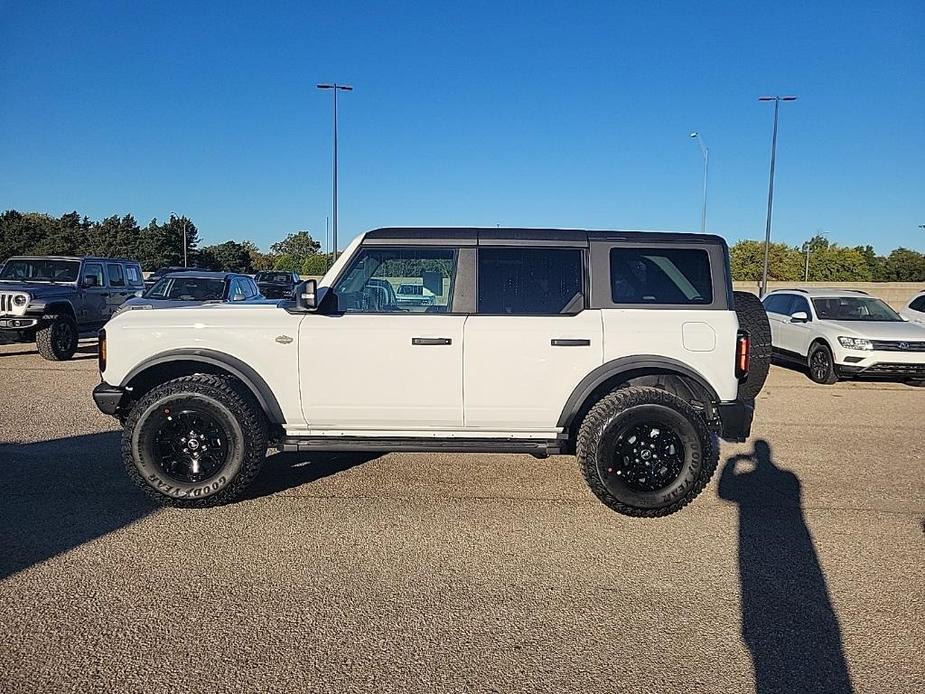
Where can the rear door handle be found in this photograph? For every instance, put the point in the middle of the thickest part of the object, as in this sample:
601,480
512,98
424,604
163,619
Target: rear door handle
431,341
568,342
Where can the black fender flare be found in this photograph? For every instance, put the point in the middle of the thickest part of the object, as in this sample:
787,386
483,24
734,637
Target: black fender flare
237,368
56,306
625,366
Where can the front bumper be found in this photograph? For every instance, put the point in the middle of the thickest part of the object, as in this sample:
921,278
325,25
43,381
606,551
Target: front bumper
108,398
17,323
735,420
883,369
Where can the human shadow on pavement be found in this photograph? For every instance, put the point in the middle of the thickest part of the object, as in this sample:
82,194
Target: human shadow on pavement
288,470
59,494
788,621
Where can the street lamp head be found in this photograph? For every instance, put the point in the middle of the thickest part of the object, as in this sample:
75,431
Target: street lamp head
335,85
766,98
788,98
694,134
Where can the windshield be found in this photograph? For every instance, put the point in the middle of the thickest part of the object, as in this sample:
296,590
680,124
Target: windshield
41,270
187,289
274,277
859,308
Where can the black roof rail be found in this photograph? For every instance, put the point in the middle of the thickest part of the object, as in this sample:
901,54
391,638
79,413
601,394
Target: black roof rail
857,291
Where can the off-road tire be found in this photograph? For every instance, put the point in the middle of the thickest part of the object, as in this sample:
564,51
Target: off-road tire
826,377
247,440
57,340
753,318
616,411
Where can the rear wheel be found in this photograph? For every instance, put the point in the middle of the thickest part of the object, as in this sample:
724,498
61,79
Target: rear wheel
645,452
821,365
195,441
57,341
753,318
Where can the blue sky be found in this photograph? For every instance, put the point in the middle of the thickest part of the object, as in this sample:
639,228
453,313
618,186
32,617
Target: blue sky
568,114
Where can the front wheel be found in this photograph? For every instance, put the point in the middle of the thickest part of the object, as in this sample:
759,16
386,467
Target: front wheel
195,441
57,341
645,452
822,365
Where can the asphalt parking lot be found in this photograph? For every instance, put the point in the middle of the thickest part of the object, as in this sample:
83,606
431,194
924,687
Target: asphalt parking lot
800,568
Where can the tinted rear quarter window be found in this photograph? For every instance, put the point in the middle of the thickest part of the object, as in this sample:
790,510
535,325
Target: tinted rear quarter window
918,304
530,281
676,276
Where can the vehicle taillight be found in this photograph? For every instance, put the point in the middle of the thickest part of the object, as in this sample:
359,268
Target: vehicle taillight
102,351
742,355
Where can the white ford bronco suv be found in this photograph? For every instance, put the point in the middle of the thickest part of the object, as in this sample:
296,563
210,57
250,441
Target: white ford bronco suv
624,348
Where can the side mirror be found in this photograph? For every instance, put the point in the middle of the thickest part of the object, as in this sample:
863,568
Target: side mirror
799,317
306,295
91,281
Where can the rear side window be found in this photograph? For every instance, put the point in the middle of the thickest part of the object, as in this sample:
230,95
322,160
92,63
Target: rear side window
133,275
779,304
918,304
530,281
116,279
660,276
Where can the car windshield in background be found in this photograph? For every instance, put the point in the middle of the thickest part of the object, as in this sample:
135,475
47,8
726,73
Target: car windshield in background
41,270
188,289
858,308
274,277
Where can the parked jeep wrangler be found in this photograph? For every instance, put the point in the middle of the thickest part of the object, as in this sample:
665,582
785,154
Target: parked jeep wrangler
623,348
55,300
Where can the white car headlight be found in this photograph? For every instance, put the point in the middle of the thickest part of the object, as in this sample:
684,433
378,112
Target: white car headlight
855,343
20,300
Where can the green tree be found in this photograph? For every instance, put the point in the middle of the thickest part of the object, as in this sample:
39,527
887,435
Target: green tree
317,264
113,237
747,260
286,262
300,246
904,265
229,256
258,260
834,263
161,245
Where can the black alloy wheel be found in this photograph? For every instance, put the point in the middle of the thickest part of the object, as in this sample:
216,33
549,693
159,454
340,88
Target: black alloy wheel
821,365
189,444
648,455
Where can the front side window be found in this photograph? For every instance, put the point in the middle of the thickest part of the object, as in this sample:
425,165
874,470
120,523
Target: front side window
93,275
372,282
116,278
678,276
854,308
530,281
172,288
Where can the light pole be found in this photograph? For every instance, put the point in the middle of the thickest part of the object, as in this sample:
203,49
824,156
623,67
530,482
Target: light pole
808,246
705,151
185,222
335,87
767,231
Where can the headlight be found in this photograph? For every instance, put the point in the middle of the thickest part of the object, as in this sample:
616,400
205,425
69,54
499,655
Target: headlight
20,300
855,343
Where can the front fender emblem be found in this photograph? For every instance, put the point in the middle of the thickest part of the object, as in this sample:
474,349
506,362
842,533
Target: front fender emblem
284,339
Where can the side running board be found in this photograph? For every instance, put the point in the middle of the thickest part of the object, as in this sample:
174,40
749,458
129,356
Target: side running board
536,447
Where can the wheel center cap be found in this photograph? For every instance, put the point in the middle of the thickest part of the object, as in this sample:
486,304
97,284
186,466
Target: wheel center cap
645,454
193,444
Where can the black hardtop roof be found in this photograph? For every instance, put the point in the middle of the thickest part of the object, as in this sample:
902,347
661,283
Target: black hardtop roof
521,235
75,258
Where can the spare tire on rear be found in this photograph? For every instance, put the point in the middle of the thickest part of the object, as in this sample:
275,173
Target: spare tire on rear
754,319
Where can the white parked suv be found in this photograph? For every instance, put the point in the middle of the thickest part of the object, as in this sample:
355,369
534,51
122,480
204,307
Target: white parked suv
624,348
915,309
839,333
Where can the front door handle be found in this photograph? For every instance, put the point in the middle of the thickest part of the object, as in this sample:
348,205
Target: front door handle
431,341
563,342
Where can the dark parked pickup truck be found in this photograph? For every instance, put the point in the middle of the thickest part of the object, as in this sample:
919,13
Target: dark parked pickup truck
55,300
277,285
